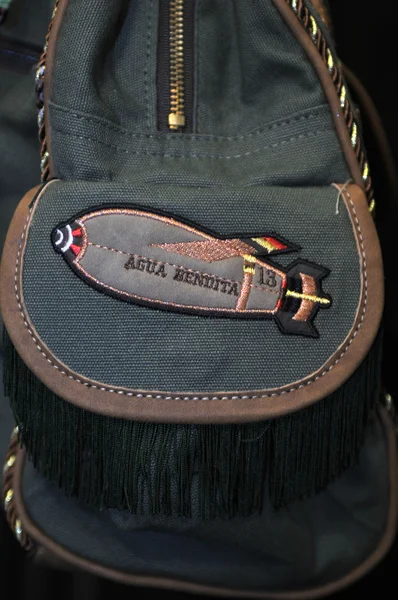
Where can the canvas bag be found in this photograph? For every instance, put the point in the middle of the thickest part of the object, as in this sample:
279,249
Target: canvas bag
213,380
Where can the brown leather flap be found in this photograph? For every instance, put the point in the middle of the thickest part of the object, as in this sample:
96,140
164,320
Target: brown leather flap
215,405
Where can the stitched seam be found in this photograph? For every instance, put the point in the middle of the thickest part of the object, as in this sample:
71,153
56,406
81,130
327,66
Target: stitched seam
203,155
148,57
264,288
195,137
210,397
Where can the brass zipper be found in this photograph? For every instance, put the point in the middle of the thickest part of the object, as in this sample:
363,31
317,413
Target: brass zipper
176,118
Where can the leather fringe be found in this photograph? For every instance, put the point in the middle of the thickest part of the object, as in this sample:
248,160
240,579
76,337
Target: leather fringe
200,471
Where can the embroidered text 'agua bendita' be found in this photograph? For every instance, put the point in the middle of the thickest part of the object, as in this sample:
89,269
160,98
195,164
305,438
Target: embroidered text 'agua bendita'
160,262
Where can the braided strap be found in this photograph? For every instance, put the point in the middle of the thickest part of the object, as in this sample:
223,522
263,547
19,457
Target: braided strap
9,495
309,23
40,75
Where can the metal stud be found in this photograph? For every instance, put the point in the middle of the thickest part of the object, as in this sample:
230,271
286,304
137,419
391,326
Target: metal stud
330,61
8,498
388,402
40,118
354,135
18,529
40,74
14,433
44,161
314,28
343,96
9,463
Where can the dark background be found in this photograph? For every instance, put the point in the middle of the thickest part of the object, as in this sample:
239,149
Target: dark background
366,36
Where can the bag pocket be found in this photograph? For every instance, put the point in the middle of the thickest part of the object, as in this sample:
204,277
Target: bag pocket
270,298
309,550
188,334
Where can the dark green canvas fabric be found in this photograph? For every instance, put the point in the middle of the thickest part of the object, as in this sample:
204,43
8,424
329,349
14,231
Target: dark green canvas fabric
103,108
245,60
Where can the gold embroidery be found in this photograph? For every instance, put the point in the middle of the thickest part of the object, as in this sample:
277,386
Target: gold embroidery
325,301
264,243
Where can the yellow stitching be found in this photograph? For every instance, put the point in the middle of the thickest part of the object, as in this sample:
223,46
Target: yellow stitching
365,171
249,265
372,206
264,243
307,297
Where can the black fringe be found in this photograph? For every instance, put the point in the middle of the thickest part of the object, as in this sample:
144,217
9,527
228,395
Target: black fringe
203,471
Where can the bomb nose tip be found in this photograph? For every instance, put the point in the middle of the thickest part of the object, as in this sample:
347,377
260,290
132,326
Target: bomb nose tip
62,238
58,237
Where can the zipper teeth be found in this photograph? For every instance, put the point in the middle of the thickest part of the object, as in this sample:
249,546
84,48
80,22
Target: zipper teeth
177,96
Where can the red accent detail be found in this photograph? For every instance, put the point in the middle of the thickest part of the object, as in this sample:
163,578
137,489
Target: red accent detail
75,249
278,245
281,299
77,232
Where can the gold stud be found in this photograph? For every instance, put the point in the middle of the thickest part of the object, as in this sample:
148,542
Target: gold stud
18,529
330,61
343,96
365,173
314,27
372,206
9,463
8,498
14,433
354,135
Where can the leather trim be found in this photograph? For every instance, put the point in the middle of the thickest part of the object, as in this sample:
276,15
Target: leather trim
331,94
323,12
215,407
51,549
50,59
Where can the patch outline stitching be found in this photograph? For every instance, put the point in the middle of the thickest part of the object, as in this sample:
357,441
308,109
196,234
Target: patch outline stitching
162,396
236,312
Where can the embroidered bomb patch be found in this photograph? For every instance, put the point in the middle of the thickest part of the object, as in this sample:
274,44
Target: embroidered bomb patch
157,261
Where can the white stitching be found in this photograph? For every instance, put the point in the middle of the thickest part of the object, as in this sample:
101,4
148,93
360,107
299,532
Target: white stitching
235,397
